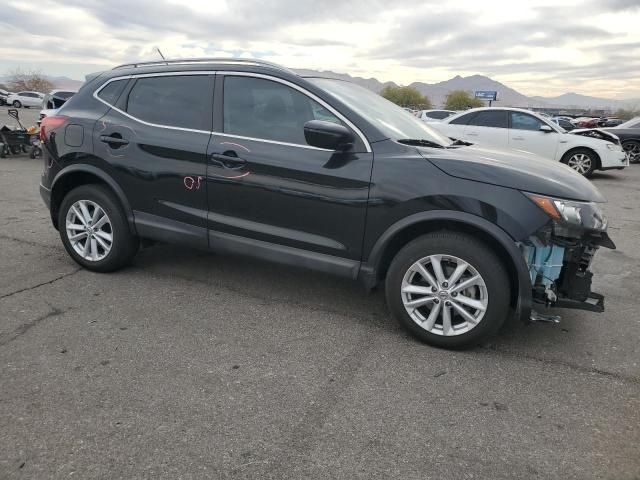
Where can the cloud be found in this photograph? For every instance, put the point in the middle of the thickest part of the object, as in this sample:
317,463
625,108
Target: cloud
573,41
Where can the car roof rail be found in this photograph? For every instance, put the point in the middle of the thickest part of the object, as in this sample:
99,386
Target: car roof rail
192,61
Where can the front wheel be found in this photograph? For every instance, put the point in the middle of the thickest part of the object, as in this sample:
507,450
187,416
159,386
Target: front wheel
448,289
17,104
582,160
632,148
94,229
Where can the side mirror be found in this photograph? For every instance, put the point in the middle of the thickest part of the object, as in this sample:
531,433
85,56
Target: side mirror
546,129
329,135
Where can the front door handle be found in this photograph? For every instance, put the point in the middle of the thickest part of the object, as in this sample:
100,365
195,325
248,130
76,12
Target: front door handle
517,138
471,134
114,140
228,160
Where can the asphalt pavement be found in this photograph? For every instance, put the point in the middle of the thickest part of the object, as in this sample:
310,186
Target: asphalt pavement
194,365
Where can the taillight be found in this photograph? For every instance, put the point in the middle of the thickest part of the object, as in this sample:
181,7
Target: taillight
49,124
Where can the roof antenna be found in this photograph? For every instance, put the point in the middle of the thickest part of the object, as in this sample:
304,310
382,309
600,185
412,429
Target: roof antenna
162,55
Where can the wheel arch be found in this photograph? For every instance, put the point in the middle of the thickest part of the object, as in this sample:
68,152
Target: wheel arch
374,270
568,153
73,176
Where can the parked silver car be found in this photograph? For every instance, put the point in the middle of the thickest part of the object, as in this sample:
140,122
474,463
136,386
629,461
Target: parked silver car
25,99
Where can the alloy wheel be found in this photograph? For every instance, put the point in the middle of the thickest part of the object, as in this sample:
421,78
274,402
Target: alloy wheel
632,150
89,230
580,162
444,295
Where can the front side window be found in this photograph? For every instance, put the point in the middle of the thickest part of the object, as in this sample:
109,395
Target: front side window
490,118
183,101
522,121
268,110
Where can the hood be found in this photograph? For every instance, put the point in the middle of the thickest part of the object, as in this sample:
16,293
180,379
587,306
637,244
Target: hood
513,169
597,133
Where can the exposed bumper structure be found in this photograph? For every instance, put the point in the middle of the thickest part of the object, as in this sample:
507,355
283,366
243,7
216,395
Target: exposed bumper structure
560,269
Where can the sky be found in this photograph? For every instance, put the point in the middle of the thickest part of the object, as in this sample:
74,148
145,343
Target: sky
538,47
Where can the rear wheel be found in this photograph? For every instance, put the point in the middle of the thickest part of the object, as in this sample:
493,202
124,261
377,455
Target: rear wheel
582,160
632,148
448,289
94,229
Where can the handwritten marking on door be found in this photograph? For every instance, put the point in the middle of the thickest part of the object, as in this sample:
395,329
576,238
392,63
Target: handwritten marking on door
192,183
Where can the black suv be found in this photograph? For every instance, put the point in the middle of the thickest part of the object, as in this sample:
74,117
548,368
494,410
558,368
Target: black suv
247,157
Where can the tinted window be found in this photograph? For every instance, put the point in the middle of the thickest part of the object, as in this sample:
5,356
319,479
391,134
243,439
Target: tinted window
112,91
259,108
490,118
522,121
438,115
464,119
183,101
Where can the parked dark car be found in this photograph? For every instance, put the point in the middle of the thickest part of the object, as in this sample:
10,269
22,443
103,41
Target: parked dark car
610,122
629,135
248,158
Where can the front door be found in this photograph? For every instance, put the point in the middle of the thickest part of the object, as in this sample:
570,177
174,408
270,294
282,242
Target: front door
155,140
264,181
525,134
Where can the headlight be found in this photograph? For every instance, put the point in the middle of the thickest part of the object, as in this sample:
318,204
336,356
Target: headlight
614,147
587,215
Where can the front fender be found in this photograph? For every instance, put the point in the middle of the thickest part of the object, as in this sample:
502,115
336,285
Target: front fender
369,271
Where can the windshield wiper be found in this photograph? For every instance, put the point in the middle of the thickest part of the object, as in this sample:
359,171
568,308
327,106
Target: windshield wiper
460,143
420,142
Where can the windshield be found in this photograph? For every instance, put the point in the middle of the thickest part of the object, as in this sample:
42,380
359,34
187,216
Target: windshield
393,121
633,123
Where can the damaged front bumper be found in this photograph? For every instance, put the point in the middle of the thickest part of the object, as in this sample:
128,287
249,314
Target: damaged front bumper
560,255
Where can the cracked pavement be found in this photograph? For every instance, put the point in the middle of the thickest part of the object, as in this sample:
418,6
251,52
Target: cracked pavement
193,365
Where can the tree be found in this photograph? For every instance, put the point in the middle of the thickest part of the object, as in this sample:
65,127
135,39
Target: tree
31,80
461,100
405,97
627,114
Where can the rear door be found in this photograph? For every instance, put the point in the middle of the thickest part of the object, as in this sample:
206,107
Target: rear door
488,127
525,134
154,140
264,181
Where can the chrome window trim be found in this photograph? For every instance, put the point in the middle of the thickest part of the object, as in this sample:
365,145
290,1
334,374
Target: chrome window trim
244,74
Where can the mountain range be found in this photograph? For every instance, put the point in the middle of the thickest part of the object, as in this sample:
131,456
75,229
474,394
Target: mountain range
507,97
437,92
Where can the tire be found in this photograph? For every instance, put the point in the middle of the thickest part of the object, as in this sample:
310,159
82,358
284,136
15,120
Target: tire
632,147
16,149
582,160
123,245
17,104
492,292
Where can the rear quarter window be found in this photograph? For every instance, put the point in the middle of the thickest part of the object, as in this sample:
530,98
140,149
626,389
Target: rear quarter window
112,91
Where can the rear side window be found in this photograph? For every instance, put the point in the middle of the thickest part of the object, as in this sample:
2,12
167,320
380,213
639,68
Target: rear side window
438,115
183,101
264,109
522,121
111,92
490,118
464,119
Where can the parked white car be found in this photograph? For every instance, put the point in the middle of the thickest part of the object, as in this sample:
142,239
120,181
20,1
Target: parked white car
430,115
25,99
527,131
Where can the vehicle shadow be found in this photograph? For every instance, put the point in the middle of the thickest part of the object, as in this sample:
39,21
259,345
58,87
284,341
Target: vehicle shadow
309,290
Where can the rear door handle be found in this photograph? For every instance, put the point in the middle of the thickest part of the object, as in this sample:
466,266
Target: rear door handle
228,160
113,140
471,134
517,138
